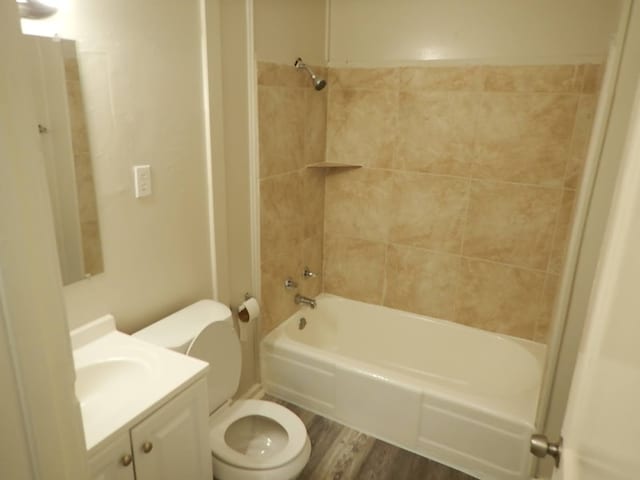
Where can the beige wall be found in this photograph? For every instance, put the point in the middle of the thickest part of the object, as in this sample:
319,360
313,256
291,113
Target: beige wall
292,123
287,29
463,206
368,32
143,94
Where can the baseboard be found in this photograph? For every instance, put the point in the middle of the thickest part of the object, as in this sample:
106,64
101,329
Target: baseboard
255,391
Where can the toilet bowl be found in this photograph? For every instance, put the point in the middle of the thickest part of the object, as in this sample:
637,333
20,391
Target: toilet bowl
262,434
249,439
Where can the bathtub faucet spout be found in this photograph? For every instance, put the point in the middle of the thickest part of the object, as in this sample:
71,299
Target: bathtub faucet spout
304,300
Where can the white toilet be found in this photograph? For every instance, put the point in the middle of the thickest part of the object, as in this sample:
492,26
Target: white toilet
249,439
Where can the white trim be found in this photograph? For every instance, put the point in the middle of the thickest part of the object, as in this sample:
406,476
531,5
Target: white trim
581,274
611,312
616,242
590,171
25,418
217,171
254,153
206,100
614,249
254,181
615,246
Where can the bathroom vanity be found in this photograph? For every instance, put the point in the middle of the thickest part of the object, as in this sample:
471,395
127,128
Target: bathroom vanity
144,408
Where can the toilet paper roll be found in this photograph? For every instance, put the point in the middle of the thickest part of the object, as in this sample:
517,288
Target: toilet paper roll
248,310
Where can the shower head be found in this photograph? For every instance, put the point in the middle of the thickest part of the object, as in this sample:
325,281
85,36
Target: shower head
318,83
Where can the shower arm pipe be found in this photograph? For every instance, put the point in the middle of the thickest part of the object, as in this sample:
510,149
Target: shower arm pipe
318,83
300,65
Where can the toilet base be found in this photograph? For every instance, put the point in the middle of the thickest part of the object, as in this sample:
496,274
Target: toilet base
289,471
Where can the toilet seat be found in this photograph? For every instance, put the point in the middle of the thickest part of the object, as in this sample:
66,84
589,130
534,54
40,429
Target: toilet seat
295,429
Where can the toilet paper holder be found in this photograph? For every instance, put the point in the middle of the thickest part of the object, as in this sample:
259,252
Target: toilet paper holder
248,309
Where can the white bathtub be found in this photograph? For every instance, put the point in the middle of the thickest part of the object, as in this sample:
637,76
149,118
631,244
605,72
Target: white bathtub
458,395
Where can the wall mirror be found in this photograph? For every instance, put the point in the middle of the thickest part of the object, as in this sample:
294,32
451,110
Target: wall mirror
64,141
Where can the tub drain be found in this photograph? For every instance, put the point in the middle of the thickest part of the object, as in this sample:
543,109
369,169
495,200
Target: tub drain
302,323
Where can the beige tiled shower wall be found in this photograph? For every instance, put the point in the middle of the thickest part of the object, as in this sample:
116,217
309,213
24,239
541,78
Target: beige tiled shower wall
464,204
85,185
292,126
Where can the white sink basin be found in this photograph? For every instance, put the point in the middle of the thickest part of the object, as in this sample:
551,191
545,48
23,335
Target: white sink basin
96,382
119,378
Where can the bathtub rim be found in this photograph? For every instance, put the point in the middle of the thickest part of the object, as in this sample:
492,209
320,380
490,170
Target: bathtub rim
528,344
270,344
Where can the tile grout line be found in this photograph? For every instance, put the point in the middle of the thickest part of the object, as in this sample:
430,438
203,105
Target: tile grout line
385,274
458,288
439,252
473,178
554,239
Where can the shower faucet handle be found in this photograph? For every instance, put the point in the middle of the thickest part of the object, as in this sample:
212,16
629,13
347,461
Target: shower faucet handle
289,283
308,273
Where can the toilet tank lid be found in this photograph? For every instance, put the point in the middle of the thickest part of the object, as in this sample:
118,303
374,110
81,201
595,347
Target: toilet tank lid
178,329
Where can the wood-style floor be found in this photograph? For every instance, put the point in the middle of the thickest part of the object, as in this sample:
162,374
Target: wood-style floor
340,453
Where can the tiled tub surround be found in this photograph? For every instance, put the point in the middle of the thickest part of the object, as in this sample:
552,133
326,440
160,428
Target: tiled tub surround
292,123
463,209
464,204
404,383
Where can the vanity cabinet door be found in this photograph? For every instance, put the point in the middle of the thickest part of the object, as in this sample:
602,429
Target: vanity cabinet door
172,443
113,461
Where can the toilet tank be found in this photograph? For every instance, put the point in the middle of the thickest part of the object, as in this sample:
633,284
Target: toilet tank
203,330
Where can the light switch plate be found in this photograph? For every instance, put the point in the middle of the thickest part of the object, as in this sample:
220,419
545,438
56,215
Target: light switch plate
142,180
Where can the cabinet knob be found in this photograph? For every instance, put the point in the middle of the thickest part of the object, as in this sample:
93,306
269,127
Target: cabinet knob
147,447
126,460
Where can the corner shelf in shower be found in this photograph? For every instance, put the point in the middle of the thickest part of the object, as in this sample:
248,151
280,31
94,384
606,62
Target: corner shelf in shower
333,165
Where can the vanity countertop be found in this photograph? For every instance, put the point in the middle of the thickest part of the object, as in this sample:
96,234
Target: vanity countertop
121,379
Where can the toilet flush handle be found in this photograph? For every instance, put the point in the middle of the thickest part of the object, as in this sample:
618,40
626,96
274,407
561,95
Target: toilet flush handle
147,447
